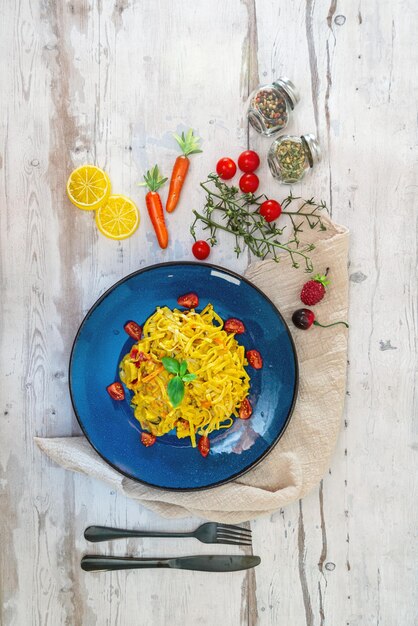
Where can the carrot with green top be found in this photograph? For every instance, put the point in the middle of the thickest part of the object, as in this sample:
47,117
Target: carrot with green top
154,181
189,144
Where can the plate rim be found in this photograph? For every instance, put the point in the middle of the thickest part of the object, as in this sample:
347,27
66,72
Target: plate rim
295,391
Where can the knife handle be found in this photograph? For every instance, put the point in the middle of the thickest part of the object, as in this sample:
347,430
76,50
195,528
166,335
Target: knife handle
103,533
97,563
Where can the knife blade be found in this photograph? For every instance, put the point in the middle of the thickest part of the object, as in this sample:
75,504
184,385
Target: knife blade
215,563
200,563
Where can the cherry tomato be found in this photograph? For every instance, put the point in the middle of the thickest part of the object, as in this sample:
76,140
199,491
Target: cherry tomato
248,183
134,330
116,391
270,210
147,439
245,410
248,161
255,359
233,325
204,446
138,356
189,300
226,168
201,249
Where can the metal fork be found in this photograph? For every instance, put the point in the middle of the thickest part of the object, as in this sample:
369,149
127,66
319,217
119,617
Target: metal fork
211,532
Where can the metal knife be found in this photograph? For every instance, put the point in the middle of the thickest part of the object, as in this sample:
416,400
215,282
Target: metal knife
204,563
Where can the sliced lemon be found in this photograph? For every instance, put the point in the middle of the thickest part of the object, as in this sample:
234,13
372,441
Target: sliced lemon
118,218
88,187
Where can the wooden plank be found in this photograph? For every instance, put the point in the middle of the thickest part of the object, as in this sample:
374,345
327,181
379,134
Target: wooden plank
103,103
147,93
109,82
347,540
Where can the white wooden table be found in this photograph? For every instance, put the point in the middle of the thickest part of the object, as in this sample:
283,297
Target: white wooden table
108,82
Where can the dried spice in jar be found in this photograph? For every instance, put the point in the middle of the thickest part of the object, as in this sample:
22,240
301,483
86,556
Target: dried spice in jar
290,157
270,106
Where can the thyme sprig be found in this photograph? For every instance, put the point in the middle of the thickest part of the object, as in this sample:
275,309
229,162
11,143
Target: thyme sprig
227,209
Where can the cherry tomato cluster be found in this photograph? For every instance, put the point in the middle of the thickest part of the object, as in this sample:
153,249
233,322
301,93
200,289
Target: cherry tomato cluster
248,162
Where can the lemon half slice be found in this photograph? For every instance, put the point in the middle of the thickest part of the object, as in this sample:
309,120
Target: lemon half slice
118,218
88,187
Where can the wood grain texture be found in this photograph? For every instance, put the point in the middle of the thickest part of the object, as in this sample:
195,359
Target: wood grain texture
108,82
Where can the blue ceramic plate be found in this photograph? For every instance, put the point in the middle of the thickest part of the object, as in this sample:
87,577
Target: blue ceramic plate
111,427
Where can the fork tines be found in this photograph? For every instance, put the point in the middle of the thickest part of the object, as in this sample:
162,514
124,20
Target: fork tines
234,535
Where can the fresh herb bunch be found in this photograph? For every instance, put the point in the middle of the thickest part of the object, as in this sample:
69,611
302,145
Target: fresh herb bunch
175,387
227,209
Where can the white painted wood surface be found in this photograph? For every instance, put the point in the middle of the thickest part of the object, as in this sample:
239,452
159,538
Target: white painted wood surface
108,82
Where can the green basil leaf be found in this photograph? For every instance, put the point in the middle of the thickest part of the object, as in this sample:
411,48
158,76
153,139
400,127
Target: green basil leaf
187,378
183,368
175,389
171,365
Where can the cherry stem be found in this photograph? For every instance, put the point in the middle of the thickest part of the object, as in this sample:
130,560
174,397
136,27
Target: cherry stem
328,325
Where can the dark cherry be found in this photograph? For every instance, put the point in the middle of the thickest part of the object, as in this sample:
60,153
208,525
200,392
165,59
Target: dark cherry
304,318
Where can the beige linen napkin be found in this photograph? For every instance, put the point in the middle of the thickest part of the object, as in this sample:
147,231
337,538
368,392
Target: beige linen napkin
303,454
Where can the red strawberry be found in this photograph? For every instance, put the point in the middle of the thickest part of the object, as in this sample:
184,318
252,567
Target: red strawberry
314,290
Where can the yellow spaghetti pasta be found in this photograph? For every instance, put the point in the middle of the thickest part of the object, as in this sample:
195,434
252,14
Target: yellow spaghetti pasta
214,356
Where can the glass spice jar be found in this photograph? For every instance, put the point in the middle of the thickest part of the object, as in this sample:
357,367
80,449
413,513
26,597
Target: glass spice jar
290,157
270,106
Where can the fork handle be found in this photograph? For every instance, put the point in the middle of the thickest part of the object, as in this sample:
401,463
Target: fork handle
98,563
103,533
